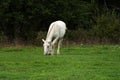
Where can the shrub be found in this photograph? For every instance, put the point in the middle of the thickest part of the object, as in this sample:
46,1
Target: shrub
38,40
107,27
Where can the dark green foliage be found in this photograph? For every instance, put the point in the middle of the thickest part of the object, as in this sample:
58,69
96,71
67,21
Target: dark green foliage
23,19
107,27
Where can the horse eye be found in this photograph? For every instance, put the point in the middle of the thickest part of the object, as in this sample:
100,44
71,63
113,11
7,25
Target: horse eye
47,46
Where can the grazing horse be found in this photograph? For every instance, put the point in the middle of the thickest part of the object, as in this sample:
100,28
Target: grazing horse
55,34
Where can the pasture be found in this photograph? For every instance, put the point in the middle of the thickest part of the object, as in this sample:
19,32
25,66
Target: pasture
74,63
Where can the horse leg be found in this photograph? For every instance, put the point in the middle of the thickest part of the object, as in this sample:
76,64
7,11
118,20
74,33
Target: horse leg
59,44
53,45
52,52
55,40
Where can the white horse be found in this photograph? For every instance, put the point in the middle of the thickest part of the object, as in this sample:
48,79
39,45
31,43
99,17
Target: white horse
55,33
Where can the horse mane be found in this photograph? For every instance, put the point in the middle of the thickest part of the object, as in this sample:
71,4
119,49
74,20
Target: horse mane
50,29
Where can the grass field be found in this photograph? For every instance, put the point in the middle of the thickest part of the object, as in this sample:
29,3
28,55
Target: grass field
74,63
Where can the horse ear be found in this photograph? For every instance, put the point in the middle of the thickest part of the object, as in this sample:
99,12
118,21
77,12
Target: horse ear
43,40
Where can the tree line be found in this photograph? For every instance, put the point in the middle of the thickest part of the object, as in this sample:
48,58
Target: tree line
25,20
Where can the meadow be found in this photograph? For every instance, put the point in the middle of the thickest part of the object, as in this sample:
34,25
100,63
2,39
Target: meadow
75,63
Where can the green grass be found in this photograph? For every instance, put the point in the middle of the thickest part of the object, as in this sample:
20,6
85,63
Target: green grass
74,63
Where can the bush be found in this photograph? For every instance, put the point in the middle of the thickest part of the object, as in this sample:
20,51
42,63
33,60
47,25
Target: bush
38,40
107,27
3,38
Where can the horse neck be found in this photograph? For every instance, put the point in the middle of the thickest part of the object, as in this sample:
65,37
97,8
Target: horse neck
50,33
49,36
